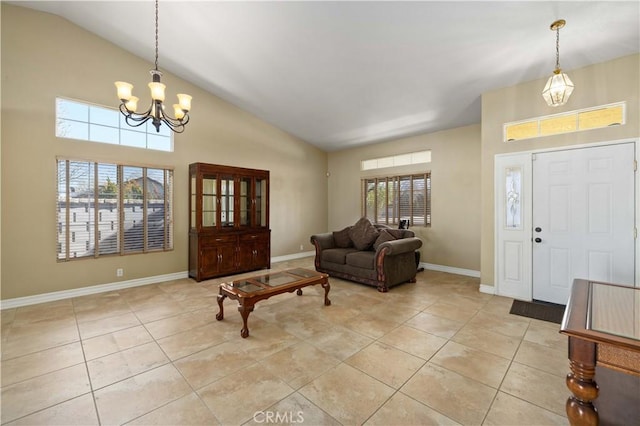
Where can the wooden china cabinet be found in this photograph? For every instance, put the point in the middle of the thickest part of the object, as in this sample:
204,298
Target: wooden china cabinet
229,220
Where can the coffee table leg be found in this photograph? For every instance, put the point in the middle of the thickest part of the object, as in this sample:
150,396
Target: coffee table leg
326,287
245,310
220,314
581,383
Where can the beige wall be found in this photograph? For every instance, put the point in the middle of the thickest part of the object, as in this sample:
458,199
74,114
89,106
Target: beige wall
44,56
604,83
454,238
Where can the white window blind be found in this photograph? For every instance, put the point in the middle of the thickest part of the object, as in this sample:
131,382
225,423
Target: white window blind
105,209
388,200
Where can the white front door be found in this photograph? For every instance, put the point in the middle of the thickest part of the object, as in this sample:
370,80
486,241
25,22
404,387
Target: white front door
583,218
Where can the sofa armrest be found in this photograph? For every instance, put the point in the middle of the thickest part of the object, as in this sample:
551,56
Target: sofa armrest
323,241
400,246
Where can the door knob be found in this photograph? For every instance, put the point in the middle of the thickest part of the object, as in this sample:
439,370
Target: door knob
538,229
538,240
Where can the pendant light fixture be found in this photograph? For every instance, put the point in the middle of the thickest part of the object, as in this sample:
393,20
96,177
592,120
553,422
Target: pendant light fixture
559,86
155,113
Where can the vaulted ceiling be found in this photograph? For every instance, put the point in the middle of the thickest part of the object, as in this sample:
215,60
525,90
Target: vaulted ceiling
341,74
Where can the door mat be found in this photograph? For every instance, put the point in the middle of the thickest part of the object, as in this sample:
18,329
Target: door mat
544,311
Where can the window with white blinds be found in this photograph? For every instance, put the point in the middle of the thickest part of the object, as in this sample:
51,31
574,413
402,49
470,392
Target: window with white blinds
388,200
105,209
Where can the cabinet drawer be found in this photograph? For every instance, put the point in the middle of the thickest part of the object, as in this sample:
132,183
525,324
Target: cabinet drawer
219,239
254,236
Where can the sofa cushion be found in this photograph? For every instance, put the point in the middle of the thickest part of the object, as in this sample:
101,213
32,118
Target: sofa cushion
363,234
342,239
337,255
361,259
384,236
398,233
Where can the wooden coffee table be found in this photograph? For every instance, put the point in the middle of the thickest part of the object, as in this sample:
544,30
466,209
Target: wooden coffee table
249,291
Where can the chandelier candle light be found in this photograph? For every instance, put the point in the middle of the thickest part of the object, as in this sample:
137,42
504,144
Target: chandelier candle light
156,113
559,86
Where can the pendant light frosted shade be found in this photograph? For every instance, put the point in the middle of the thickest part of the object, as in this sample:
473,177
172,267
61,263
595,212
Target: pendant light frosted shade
558,89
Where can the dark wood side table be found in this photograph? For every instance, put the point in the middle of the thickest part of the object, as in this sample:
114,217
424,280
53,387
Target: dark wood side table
603,324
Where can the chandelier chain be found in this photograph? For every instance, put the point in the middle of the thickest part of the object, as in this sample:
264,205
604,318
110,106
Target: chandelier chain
156,35
557,48
156,112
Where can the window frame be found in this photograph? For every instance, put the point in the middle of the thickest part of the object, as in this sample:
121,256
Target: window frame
390,187
66,218
93,123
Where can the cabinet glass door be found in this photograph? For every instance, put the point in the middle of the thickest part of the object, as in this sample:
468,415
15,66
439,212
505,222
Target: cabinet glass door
192,216
261,202
226,201
245,201
209,192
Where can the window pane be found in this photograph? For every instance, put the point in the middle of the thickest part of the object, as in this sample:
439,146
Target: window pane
381,198
81,209
104,116
419,200
72,110
155,209
72,129
133,138
370,199
168,214
133,205
405,203
108,212
103,134
61,212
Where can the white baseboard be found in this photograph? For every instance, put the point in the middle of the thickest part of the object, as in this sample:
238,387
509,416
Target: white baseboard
451,269
488,289
84,291
293,256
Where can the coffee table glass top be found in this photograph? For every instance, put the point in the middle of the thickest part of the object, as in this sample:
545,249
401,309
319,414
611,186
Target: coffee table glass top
276,279
615,310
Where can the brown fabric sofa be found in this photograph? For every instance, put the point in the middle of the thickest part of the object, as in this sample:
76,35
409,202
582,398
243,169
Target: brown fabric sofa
376,255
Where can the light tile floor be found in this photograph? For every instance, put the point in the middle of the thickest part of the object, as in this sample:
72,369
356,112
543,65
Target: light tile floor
434,352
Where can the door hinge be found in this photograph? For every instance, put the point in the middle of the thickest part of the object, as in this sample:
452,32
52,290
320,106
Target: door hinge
635,233
635,165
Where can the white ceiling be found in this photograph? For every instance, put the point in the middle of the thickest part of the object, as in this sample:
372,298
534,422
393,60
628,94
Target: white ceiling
342,74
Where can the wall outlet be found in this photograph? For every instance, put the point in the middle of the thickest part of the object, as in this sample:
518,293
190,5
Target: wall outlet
301,247
119,272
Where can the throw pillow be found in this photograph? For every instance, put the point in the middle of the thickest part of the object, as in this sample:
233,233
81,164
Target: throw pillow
341,238
383,238
363,234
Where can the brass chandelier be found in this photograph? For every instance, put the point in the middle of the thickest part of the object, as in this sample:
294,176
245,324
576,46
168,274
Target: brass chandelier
559,86
156,112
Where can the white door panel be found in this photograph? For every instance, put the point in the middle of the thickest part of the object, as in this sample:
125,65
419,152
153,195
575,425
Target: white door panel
583,218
